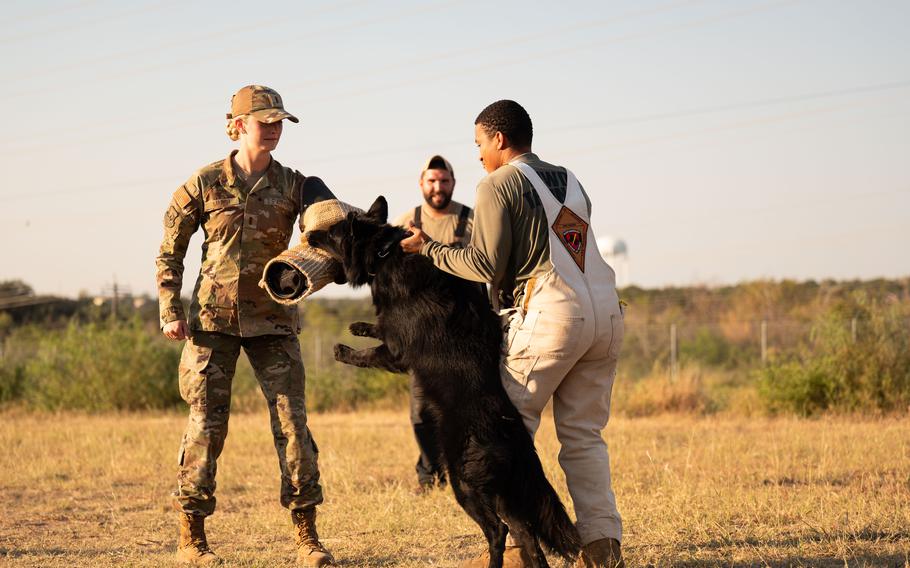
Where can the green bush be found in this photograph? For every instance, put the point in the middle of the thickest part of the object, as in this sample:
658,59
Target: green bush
127,366
870,372
17,347
12,383
102,367
348,389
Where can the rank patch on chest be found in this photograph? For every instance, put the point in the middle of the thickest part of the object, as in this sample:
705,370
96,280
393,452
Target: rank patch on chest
572,232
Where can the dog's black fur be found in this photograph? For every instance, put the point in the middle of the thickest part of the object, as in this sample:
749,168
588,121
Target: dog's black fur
442,329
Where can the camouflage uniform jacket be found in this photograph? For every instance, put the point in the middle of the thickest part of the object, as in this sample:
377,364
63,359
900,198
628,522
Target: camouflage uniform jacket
244,228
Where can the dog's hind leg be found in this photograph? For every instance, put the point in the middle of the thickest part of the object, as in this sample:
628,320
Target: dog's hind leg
480,508
527,540
364,329
379,357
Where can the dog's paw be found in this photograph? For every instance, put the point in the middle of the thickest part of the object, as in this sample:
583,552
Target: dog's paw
342,353
362,329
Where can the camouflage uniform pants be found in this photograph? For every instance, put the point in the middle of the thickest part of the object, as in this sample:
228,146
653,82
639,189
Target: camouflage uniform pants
206,373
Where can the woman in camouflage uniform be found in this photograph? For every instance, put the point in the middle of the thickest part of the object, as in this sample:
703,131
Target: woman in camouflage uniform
246,206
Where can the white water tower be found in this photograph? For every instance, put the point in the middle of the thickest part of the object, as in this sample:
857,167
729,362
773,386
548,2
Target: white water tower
616,253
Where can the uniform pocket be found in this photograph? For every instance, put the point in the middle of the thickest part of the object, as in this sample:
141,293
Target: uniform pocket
518,360
556,336
514,374
521,329
192,379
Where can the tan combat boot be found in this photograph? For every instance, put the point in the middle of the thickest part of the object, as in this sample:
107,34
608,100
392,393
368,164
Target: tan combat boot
513,557
310,552
603,553
192,547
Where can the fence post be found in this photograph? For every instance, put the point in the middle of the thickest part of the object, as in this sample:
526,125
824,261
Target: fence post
853,329
673,347
764,342
115,300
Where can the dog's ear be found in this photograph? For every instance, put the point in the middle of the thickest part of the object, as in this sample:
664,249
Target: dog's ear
379,210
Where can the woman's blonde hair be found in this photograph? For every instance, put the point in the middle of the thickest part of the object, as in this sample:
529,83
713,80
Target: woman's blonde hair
231,126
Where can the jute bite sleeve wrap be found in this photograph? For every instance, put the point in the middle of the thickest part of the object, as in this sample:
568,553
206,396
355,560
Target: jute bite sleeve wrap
300,271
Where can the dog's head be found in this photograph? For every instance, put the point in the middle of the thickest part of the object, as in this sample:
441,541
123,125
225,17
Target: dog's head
360,242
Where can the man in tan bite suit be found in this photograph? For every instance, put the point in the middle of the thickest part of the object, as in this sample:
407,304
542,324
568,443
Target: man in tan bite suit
532,241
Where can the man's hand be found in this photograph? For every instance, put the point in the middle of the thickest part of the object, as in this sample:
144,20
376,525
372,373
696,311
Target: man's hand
415,241
176,330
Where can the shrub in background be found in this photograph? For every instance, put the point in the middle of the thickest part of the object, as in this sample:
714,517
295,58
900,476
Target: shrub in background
17,348
658,393
870,372
352,388
102,367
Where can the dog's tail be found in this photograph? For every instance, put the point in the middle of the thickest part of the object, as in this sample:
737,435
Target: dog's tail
545,511
556,530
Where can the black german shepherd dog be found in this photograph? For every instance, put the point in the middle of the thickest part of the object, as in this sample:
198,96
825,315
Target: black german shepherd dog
442,329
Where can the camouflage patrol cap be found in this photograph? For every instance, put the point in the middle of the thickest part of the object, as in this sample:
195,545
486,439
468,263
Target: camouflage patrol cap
263,103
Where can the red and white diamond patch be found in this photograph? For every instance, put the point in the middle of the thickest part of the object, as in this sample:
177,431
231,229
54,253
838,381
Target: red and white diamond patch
572,232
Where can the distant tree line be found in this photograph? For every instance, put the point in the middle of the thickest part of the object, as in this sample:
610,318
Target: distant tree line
764,346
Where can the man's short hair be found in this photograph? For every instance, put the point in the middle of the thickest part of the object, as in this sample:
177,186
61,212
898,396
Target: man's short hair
511,119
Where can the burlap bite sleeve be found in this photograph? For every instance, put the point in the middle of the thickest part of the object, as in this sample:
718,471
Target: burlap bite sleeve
300,271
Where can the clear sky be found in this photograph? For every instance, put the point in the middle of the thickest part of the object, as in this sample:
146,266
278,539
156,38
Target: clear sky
722,140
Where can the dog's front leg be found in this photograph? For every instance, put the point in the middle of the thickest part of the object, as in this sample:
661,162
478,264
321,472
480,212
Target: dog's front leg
364,329
379,357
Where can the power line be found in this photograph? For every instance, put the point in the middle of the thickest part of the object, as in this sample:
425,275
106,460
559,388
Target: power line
743,105
448,76
89,188
511,61
507,42
271,46
655,117
722,128
173,44
452,74
83,25
586,150
53,11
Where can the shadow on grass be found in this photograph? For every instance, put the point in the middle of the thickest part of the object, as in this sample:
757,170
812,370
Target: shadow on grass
819,560
814,537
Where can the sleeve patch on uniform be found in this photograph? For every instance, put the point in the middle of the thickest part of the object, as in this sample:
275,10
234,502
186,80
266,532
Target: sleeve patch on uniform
170,218
183,197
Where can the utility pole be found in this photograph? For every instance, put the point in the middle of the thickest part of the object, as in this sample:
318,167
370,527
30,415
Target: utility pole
673,354
113,292
115,300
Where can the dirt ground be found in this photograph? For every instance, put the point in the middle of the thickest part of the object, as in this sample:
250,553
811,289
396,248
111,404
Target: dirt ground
82,490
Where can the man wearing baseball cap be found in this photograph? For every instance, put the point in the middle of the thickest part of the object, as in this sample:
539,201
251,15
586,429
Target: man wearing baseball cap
448,222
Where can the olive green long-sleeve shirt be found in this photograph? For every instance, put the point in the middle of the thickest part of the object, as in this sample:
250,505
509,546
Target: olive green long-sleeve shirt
510,241
244,228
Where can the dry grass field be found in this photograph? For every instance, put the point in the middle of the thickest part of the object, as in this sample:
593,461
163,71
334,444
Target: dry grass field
93,491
